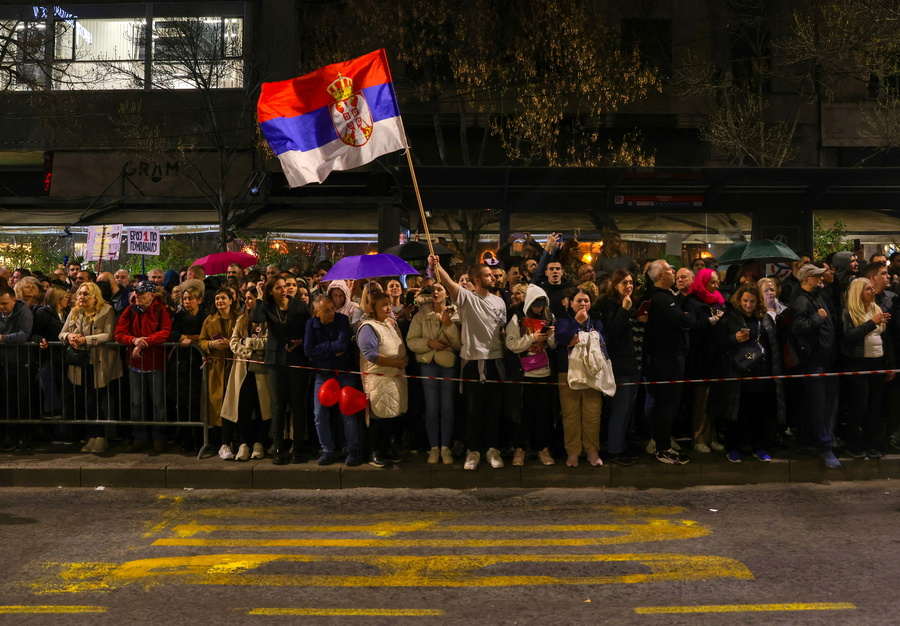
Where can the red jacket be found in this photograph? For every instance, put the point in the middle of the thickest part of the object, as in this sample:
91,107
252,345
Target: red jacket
154,324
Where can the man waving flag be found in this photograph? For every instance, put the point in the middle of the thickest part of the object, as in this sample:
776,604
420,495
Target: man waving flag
336,118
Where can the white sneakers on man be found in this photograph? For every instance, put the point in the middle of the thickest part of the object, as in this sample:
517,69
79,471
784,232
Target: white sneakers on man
493,457
472,460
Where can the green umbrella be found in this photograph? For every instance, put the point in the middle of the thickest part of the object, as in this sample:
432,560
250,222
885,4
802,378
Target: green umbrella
758,250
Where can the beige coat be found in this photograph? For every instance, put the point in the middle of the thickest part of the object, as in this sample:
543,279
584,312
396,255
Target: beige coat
425,326
100,330
219,364
387,394
243,347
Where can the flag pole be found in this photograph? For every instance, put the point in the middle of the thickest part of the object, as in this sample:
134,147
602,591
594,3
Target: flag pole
412,171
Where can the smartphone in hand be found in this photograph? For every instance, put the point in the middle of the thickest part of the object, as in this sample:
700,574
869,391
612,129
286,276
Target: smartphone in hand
644,308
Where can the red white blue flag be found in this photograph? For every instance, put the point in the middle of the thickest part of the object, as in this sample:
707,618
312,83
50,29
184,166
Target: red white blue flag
336,118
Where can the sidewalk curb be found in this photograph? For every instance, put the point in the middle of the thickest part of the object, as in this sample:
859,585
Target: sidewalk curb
176,471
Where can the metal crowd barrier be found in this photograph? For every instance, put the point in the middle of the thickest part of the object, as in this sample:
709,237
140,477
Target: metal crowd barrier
37,390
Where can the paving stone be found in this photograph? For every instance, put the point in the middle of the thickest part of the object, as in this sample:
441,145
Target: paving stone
417,476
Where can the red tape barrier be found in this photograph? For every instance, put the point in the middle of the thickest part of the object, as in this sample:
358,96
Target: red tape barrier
643,382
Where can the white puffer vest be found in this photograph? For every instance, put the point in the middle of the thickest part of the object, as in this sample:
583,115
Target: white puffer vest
387,394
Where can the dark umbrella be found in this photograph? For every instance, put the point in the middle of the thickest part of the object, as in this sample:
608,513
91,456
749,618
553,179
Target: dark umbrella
369,266
767,250
218,263
414,250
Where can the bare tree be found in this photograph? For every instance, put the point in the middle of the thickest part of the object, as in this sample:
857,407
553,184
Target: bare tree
217,136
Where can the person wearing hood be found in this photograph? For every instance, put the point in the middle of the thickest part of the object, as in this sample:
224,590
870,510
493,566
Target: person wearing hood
144,326
846,268
530,336
16,323
813,336
339,292
707,305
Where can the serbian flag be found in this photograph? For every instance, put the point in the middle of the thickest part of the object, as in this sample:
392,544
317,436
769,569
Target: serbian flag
336,118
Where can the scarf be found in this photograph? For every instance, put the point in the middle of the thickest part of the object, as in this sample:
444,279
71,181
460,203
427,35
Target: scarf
698,287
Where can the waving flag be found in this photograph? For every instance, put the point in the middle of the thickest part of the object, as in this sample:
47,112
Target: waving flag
336,118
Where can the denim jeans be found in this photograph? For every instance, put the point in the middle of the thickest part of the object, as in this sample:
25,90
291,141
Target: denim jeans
620,413
142,384
439,398
323,414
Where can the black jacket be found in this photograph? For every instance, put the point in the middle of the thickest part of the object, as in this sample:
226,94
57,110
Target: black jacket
814,337
618,328
667,323
284,326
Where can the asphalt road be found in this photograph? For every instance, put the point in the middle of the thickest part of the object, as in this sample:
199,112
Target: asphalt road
776,554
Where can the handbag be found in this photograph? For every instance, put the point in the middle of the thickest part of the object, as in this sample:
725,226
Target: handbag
535,361
589,367
76,358
749,358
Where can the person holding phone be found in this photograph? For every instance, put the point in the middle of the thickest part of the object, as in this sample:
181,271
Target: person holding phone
215,341
530,336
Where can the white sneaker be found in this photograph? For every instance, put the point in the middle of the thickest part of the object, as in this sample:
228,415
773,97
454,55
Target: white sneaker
100,445
493,455
258,451
715,445
434,455
674,443
446,455
225,453
243,453
702,448
472,460
89,446
651,447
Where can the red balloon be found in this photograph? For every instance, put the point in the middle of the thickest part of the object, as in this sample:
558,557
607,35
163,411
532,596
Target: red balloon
330,392
352,400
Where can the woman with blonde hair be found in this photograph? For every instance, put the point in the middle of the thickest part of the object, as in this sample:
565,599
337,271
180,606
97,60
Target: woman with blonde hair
91,324
30,291
864,348
770,292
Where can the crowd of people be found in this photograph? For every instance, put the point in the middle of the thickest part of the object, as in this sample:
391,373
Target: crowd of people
534,355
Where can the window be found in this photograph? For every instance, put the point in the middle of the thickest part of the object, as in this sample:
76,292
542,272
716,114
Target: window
106,46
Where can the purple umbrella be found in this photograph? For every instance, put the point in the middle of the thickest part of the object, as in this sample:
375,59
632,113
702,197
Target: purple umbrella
369,266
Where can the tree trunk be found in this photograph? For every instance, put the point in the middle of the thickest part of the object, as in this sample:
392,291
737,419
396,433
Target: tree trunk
439,137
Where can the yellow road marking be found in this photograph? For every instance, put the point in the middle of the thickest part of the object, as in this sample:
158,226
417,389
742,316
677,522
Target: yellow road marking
169,516
416,571
740,608
50,608
655,530
351,612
